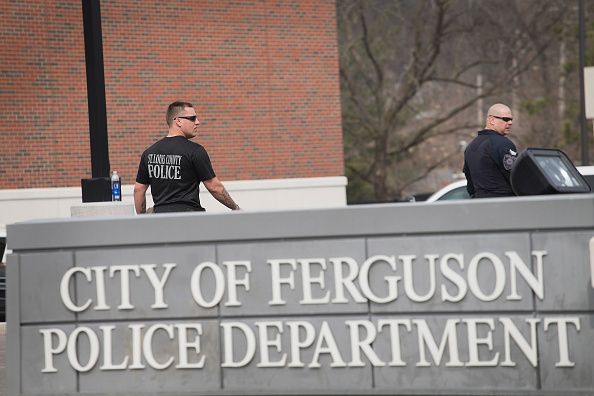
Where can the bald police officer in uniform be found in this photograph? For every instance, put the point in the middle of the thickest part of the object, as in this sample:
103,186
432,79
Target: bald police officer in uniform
488,159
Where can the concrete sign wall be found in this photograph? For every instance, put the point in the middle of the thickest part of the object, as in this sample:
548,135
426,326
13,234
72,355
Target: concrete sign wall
481,297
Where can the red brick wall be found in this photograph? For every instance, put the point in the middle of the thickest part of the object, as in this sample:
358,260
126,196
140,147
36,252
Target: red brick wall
44,138
262,74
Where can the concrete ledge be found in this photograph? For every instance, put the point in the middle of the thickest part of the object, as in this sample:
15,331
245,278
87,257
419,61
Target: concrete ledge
485,215
102,209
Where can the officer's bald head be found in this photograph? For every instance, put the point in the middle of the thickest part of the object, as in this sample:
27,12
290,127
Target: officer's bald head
499,109
499,119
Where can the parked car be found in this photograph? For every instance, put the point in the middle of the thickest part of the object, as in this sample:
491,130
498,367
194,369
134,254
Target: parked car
457,189
2,292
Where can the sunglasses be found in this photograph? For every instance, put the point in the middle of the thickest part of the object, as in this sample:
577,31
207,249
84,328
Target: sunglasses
505,119
191,118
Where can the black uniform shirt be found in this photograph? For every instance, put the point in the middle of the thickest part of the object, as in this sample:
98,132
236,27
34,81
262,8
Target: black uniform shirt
174,168
488,160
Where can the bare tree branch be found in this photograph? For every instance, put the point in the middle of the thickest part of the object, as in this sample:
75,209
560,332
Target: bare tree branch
415,71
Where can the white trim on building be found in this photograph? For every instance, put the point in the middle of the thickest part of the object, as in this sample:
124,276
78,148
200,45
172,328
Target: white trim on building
253,195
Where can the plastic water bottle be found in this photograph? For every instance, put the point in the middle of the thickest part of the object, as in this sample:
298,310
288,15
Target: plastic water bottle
116,187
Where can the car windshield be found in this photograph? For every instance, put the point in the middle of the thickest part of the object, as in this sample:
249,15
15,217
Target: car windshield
457,193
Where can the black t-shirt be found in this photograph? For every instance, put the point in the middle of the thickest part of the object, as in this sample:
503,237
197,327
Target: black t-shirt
174,168
488,160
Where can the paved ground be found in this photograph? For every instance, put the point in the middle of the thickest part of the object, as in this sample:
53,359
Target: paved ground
2,358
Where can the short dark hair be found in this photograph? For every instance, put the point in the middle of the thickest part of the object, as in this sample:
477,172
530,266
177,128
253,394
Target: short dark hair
174,109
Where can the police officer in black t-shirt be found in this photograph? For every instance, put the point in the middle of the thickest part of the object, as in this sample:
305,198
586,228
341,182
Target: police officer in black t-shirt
488,159
174,167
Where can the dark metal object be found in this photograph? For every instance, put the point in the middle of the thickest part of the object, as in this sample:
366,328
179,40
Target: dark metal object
96,88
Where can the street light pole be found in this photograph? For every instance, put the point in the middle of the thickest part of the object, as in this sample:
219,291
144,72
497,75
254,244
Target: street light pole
582,55
96,88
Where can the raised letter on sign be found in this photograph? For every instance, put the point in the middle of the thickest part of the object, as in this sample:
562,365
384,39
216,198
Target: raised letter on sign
107,348
136,347
536,283
394,324
297,344
184,344
72,349
277,280
409,288
233,281
124,271
158,284
453,277
327,337
219,284
49,350
392,281
426,338
511,331
147,346
307,280
562,337
358,344
474,341
65,289
101,303
346,281
266,342
473,281
250,341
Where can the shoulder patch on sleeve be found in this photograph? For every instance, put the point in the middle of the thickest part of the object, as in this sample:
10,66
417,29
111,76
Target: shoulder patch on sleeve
508,160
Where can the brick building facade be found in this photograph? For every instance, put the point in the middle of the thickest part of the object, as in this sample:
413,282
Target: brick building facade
263,75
